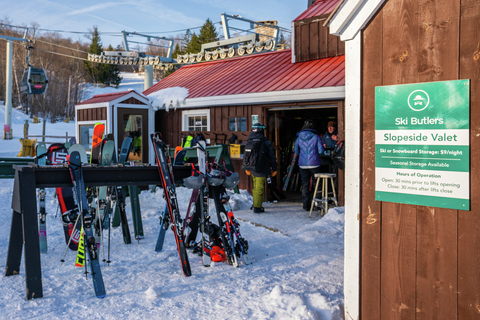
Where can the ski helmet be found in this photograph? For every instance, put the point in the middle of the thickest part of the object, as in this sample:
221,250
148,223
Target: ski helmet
258,127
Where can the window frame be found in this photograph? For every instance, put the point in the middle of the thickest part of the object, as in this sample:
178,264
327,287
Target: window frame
192,113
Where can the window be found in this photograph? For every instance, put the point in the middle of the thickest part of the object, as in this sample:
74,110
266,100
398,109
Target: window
196,120
86,136
237,124
132,124
85,130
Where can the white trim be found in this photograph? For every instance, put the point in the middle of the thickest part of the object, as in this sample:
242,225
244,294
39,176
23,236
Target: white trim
133,94
92,105
292,41
352,17
353,121
324,93
131,106
189,113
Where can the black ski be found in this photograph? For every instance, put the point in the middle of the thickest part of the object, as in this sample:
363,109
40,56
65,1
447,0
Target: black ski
162,158
75,168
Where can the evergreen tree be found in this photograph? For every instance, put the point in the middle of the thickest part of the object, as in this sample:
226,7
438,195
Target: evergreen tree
176,51
208,33
186,40
107,74
194,46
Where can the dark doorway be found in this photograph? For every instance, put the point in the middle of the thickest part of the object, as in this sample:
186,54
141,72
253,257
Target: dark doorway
289,123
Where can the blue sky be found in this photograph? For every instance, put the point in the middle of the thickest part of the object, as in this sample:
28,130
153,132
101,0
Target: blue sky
142,15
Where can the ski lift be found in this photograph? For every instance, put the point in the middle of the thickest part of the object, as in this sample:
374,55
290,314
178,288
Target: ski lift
34,81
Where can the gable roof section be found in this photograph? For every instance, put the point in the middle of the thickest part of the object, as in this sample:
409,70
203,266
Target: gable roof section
353,16
106,97
258,73
320,7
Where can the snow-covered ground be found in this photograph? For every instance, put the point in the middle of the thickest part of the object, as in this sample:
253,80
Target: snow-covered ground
297,269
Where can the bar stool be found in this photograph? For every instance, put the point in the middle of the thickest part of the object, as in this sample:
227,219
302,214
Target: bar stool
325,195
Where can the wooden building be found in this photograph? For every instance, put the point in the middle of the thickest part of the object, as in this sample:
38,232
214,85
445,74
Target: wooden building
123,113
227,96
405,261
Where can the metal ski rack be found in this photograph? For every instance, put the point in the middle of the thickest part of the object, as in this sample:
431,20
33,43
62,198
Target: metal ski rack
229,47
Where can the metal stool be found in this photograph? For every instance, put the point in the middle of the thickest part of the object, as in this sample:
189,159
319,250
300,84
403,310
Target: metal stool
324,177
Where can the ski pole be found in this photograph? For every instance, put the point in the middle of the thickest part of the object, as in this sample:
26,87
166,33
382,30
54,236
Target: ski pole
70,239
100,226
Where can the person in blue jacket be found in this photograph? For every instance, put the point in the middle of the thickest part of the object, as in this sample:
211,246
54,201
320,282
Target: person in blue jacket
308,147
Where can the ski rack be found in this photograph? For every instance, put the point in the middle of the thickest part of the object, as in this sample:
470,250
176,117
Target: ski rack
24,228
128,57
227,48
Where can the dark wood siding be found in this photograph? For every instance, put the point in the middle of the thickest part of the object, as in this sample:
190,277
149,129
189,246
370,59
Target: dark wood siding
314,41
92,114
169,124
419,262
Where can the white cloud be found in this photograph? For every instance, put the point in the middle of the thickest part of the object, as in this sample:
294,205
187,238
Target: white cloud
93,8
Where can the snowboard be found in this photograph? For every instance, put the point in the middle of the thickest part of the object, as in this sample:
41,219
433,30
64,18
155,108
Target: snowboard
97,138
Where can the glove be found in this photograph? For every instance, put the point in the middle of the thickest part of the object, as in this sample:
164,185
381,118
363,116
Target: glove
273,173
248,172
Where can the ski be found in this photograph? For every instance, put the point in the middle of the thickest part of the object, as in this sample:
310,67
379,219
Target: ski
42,213
206,242
241,248
190,223
75,168
124,151
120,204
164,224
290,171
162,158
57,155
134,192
227,233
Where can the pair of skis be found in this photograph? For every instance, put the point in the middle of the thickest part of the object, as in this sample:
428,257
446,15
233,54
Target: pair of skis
162,157
76,173
234,244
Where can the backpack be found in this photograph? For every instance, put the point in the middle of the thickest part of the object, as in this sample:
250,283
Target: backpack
255,156
338,155
198,138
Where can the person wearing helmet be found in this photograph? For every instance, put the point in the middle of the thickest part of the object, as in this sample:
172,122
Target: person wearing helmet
308,147
269,166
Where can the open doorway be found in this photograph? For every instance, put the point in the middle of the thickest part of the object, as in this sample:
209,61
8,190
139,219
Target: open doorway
283,125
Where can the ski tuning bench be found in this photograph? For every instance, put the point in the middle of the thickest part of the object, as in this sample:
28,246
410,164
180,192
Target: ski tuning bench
24,228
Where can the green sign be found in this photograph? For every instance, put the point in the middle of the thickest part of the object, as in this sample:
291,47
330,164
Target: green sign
422,144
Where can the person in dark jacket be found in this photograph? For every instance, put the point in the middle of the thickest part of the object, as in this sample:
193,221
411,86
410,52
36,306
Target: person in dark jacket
329,139
308,147
269,167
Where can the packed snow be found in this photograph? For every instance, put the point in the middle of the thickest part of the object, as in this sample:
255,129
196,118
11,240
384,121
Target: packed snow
296,270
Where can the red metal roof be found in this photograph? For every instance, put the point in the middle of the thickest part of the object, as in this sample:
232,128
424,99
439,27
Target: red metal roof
106,97
319,8
262,72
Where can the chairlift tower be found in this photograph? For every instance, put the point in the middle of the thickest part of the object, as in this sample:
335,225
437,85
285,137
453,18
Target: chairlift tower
9,84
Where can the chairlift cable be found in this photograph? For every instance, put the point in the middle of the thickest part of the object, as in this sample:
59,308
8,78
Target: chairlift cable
53,44
62,54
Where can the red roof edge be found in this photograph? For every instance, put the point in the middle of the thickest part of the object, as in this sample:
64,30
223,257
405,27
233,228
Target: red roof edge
104,97
320,7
